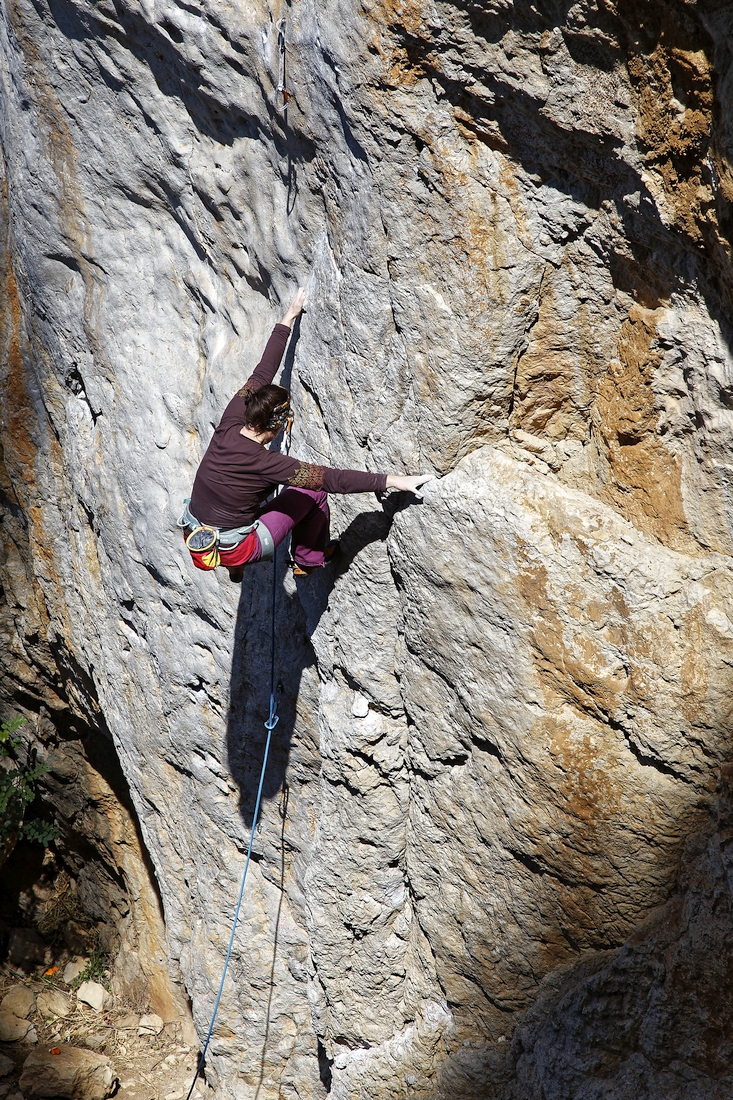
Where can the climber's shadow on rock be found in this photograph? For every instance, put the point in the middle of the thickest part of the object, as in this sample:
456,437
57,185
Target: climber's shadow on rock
249,696
365,528
297,614
298,611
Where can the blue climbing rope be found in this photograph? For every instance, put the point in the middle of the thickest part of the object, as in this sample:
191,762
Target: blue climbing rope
270,724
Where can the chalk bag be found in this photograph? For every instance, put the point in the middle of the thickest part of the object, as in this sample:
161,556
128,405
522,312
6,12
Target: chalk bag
202,545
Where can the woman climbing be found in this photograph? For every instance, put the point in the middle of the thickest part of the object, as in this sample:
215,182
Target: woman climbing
226,521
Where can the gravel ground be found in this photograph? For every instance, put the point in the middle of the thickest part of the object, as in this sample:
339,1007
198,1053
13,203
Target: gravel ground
149,1067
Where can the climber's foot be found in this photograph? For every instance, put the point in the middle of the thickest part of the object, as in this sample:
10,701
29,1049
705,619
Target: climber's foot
328,554
236,574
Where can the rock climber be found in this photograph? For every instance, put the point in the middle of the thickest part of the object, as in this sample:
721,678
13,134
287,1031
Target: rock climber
226,521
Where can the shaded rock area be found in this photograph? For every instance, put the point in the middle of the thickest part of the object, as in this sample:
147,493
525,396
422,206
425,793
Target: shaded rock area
492,857
94,889
653,1019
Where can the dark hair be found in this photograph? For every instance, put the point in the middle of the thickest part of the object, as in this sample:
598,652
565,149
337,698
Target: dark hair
260,405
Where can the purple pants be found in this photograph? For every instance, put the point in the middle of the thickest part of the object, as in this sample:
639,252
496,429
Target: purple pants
305,513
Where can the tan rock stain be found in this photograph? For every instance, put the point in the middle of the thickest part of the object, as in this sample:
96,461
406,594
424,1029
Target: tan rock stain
398,71
552,386
640,476
22,453
590,813
575,669
697,664
675,96
611,660
510,188
18,418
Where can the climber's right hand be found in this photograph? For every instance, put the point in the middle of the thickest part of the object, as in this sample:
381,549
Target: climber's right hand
410,483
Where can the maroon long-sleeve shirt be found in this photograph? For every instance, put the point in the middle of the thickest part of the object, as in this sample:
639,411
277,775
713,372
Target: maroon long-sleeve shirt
236,474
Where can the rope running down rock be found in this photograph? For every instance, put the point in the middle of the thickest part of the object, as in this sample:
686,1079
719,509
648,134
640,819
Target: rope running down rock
270,724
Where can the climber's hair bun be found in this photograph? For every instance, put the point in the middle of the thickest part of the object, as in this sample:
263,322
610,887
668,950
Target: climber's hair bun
267,409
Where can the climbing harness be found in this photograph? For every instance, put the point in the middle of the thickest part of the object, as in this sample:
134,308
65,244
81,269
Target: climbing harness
281,95
270,724
205,541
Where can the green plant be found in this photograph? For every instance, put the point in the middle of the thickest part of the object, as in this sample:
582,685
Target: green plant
18,789
42,832
96,970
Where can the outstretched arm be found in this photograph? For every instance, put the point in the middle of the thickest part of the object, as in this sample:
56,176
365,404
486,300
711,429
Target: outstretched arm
295,308
285,470
267,367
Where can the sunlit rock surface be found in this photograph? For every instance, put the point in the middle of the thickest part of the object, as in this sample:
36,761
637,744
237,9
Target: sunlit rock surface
493,816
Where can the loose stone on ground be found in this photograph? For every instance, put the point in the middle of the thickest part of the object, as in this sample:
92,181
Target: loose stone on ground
53,1003
70,1074
94,995
20,1001
73,969
12,1029
150,1025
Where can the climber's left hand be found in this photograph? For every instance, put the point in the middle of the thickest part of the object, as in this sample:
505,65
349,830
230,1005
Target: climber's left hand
295,308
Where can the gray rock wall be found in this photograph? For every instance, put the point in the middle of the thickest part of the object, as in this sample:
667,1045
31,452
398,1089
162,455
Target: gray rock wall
505,711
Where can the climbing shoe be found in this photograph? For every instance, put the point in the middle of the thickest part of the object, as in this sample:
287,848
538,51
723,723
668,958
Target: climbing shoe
306,570
236,573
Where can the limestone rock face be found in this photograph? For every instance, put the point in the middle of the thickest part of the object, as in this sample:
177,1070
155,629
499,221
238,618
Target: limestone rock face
505,711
